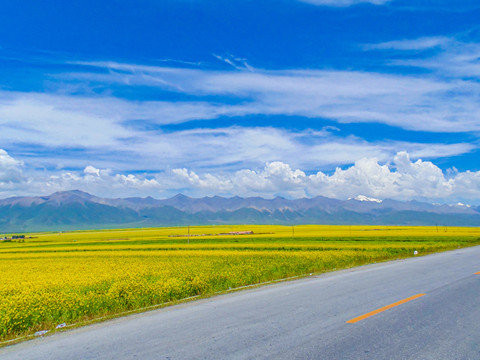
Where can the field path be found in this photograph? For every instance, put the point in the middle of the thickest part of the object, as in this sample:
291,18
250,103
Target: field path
418,308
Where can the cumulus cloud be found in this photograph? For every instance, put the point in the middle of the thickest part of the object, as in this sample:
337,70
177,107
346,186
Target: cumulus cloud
10,169
208,182
407,180
403,179
90,170
398,178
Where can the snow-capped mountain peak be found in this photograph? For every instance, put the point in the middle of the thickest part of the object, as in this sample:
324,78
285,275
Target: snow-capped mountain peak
366,198
459,204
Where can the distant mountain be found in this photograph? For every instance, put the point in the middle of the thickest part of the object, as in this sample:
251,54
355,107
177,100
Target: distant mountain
79,210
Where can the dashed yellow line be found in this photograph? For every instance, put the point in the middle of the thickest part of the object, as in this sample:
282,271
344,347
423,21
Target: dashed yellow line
359,318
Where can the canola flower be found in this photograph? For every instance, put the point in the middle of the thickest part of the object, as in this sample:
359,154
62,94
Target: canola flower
69,277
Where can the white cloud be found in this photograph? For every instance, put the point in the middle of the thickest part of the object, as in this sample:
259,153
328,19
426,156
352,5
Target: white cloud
59,120
457,59
10,169
411,44
101,128
413,102
405,180
200,150
190,178
398,178
343,3
102,131
90,170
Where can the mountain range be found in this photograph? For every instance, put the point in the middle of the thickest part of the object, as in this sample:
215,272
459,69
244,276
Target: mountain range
70,210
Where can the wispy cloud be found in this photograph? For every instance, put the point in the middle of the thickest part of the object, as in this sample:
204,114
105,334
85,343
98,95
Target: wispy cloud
235,62
127,129
411,44
344,3
124,144
455,58
413,102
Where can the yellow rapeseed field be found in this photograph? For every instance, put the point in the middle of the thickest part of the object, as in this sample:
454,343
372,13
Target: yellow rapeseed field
54,278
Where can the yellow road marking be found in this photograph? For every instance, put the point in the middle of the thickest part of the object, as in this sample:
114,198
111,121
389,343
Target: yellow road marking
352,321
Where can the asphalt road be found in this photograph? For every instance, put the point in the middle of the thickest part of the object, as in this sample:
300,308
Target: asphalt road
302,319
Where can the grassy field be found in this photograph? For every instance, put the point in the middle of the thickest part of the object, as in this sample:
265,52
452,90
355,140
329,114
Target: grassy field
53,278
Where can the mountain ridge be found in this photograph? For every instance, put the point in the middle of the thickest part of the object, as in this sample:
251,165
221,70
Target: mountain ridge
76,209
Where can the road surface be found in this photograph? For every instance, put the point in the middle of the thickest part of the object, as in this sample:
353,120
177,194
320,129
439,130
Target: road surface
419,308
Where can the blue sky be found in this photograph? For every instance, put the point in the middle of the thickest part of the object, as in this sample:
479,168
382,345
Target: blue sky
293,98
